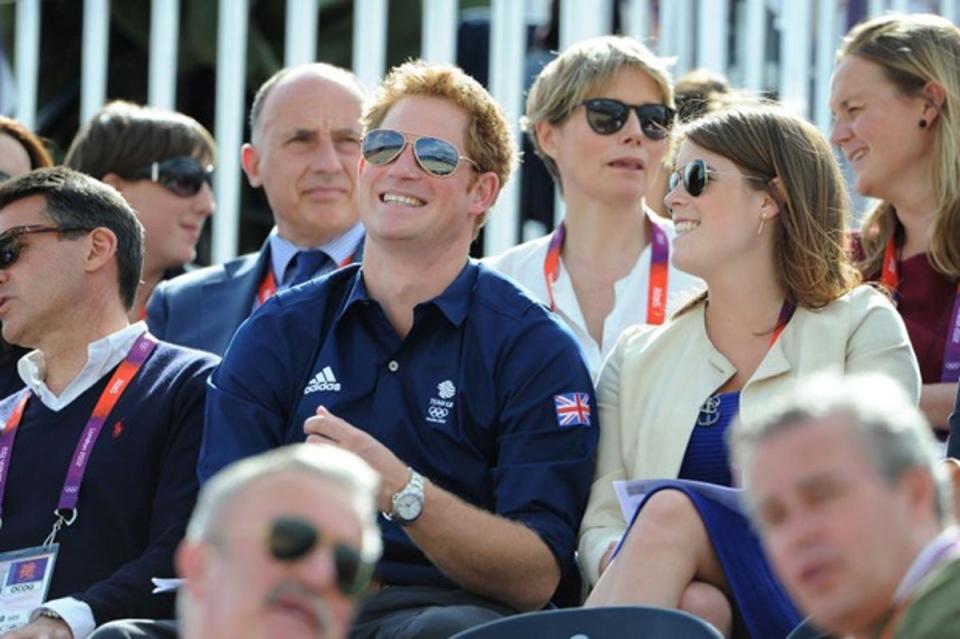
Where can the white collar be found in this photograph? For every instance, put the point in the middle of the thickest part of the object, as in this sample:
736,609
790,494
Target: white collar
938,550
102,356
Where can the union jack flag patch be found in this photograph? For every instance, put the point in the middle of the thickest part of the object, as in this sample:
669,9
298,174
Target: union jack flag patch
573,409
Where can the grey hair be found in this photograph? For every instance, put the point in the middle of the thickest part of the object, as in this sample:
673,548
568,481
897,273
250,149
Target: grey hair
895,434
324,462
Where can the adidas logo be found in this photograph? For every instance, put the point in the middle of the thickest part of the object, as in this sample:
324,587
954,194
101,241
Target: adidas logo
322,381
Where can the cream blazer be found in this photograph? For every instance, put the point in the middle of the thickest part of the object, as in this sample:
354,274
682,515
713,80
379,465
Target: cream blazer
653,384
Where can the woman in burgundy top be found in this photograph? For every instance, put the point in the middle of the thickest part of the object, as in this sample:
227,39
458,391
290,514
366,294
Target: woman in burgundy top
895,96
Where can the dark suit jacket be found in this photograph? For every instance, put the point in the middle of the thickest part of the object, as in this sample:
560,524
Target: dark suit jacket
202,309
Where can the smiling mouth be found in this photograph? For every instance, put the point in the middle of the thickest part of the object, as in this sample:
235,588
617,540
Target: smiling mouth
685,226
403,200
857,155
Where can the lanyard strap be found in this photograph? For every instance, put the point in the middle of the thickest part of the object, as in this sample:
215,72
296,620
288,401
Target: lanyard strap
67,505
951,350
890,278
268,285
659,260
786,312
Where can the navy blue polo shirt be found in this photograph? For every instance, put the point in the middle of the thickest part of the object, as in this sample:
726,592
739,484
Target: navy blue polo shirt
487,396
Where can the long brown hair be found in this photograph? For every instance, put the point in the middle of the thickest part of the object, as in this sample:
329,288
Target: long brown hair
914,50
795,165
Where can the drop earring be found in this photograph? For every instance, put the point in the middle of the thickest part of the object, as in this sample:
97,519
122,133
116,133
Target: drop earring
763,220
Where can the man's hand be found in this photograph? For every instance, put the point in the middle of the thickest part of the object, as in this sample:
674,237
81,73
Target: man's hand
41,628
327,428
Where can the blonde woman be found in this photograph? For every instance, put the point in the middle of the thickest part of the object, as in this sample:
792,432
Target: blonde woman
895,96
760,211
600,116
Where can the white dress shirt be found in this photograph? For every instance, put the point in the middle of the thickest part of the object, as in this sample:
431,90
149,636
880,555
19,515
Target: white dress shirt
524,263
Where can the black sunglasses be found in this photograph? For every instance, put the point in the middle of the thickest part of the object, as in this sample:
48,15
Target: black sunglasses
292,538
695,176
181,175
606,116
11,244
436,156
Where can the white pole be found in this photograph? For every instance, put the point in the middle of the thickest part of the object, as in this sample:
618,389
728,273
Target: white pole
96,38
755,50
875,7
507,48
439,31
948,9
300,40
164,37
582,19
900,6
714,18
638,20
676,39
28,61
827,41
369,40
795,48
231,78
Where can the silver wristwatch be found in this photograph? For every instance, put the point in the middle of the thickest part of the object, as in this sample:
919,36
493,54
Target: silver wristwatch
407,503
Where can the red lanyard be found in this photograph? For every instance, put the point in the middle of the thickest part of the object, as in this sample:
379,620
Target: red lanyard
659,259
786,312
890,278
66,511
268,286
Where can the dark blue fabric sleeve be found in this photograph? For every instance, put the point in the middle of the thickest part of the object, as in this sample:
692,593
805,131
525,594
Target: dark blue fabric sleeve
253,392
543,472
158,311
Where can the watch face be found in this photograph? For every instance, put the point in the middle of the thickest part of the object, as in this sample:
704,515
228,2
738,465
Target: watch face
408,507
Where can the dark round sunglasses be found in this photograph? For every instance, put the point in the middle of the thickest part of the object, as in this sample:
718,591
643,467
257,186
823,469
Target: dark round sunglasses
292,538
11,240
696,174
436,156
181,175
606,116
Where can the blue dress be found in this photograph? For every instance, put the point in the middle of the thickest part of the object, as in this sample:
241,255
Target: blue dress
760,603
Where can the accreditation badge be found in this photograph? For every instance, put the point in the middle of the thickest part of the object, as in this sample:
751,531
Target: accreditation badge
24,580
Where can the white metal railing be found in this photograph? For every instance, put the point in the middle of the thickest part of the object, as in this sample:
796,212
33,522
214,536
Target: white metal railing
164,38
695,32
228,125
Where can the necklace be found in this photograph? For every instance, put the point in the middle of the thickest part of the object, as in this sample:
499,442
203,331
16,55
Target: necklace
709,412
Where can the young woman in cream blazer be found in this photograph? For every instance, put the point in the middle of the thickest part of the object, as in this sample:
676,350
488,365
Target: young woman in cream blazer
760,210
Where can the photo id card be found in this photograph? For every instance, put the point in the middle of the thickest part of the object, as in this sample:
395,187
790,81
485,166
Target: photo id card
24,580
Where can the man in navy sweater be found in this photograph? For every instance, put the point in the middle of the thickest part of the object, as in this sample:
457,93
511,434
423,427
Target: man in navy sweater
100,447
467,396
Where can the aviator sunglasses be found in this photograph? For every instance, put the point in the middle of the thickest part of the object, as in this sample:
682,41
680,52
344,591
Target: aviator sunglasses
695,176
606,116
292,538
11,244
436,156
181,175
